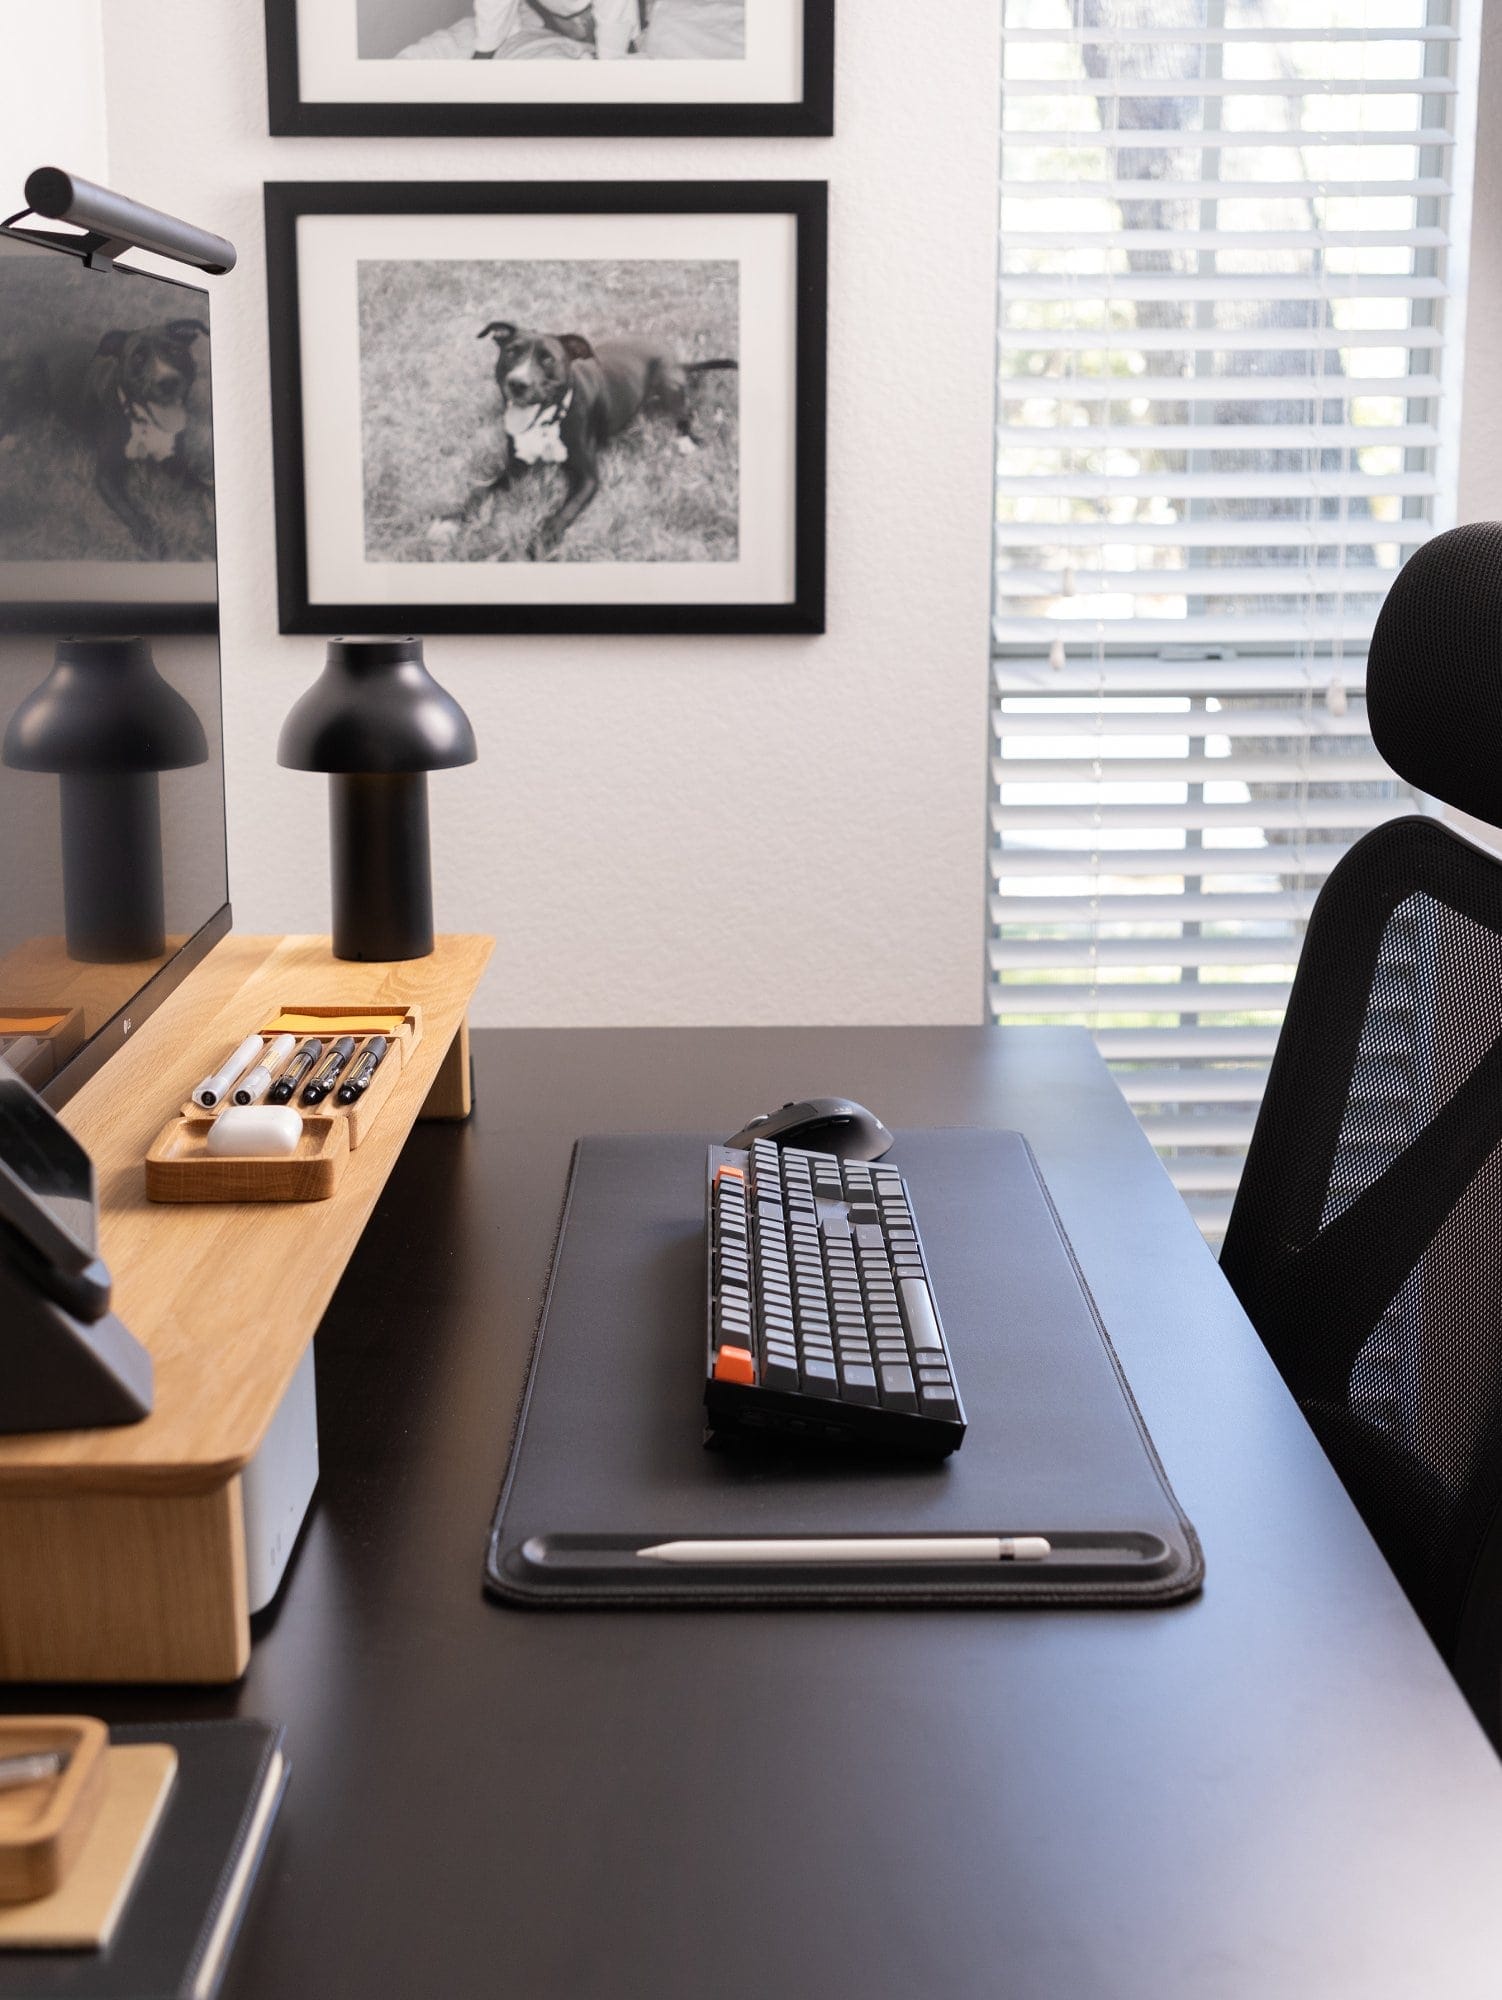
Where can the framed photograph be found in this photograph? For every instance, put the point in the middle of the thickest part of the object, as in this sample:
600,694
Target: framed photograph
550,68
548,407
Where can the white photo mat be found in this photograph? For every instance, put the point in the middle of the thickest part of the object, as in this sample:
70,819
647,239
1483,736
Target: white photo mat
330,249
331,71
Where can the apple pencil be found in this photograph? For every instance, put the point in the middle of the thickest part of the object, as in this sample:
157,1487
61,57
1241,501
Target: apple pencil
856,1549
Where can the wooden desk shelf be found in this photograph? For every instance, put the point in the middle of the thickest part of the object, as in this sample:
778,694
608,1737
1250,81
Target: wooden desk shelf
122,1551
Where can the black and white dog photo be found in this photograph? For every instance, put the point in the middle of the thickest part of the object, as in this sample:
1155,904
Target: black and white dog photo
581,412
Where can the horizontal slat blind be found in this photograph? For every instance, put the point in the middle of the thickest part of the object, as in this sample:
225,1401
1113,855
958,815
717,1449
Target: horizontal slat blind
1231,307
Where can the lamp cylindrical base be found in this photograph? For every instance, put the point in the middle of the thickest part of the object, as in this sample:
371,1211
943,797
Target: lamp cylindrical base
380,864
114,907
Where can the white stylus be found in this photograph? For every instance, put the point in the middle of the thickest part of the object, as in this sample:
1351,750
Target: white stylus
862,1549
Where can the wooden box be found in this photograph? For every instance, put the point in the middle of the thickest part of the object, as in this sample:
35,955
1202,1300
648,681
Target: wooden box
180,1167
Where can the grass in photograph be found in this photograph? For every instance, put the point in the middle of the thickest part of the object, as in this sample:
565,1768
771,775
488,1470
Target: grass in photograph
431,410
50,507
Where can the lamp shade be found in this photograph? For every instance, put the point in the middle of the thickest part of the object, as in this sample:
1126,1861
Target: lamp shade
104,710
376,710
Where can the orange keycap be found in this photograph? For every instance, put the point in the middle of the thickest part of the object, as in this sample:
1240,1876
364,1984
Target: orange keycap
734,1364
732,1173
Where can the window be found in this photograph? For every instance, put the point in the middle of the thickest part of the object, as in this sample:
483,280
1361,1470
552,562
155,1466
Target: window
1233,240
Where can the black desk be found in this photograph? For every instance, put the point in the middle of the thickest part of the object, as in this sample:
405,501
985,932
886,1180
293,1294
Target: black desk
1274,1792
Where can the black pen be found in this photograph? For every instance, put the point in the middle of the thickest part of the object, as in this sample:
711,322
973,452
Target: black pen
363,1071
327,1075
281,1092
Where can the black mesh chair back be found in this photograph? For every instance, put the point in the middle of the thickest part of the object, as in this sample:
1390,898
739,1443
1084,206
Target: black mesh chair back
1366,1237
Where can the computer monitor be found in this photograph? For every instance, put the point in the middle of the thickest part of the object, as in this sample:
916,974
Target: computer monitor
113,879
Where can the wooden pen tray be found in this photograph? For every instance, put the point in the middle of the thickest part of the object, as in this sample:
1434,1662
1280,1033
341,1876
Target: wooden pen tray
180,1168
43,1825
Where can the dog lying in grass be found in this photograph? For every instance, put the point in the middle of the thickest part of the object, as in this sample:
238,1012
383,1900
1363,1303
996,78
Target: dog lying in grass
563,399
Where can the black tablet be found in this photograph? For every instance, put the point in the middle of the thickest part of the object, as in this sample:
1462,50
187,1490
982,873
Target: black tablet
46,1181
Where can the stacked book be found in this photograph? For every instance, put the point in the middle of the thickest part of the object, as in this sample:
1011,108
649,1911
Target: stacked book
127,1856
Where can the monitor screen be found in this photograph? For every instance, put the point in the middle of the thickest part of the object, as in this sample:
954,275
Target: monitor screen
111,766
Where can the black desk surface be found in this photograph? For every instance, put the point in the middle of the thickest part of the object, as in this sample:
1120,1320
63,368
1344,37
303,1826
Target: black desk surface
1272,1791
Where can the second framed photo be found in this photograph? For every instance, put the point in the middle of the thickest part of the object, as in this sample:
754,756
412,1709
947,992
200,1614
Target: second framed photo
545,407
550,68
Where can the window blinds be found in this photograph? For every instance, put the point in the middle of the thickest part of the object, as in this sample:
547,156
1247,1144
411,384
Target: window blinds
1233,239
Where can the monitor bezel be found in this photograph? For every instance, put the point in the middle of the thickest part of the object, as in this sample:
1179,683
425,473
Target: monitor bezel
112,1036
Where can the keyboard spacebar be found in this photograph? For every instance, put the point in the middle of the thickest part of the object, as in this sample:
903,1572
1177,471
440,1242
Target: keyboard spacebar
918,1309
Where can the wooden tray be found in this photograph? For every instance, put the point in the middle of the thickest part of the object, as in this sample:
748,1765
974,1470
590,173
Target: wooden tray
362,1114
43,1826
180,1167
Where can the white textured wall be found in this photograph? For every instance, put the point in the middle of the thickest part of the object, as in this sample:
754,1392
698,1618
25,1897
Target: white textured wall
1480,497
665,830
51,92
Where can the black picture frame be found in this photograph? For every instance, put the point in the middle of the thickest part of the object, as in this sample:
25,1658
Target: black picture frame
292,117
806,201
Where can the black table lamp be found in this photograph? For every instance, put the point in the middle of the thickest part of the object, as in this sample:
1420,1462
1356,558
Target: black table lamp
107,724
377,722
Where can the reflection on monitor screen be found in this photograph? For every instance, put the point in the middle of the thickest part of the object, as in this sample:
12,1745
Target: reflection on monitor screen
111,771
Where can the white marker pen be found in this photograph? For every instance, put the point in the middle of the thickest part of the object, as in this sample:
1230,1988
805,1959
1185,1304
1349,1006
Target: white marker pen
255,1083
225,1078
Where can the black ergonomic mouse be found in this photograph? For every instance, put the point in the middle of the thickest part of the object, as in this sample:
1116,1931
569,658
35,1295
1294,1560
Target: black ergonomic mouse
821,1125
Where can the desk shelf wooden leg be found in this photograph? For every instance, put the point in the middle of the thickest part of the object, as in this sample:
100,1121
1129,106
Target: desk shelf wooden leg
452,1092
124,1587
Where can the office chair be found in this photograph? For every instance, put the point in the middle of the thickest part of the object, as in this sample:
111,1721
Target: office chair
1366,1238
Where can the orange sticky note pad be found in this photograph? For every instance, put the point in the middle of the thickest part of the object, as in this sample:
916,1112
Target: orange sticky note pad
349,1021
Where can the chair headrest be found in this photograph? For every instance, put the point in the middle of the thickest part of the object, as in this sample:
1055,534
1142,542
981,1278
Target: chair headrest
1434,675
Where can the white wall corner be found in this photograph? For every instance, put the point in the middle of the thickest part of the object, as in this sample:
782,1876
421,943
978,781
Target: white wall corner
52,95
1480,469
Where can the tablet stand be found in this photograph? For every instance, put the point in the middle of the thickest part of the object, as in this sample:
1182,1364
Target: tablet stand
60,1372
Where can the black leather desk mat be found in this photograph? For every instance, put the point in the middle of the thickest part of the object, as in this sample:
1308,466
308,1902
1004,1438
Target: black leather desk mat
608,1442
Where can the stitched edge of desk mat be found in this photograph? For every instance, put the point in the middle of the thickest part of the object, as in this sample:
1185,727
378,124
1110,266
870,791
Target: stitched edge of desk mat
997,1587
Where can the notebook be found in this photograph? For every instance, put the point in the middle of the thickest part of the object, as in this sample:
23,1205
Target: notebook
173,1939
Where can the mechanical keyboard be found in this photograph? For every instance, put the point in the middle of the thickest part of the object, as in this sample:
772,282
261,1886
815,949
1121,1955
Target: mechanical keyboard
822,1322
